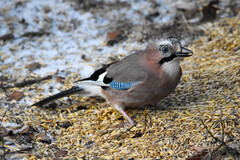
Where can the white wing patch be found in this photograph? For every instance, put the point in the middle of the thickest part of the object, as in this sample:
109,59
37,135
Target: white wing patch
93,83
92,88
101,76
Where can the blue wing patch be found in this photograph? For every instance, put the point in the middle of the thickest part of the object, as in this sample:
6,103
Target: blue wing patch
122,85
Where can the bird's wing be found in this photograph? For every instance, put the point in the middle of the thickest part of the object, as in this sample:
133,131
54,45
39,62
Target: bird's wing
119,75
127,70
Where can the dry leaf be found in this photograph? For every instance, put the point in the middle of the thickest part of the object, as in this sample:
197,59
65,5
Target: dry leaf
33,66
43,137
112,35
60,79
3,131
35,34
115,37
60,153
16,95
6,37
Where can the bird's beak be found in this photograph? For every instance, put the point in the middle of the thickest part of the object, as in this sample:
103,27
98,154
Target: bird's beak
184,52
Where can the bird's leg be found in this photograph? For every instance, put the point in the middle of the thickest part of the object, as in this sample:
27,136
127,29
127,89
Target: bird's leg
130,120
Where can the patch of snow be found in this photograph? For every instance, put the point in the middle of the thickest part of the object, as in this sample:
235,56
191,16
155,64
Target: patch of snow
9,125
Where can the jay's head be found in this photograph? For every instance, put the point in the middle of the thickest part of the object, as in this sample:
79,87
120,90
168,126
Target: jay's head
167,50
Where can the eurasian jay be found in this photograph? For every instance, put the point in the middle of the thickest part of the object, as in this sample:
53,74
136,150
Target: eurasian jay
142,78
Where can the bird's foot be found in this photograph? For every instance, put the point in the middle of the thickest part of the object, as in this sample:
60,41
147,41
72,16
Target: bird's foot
122,125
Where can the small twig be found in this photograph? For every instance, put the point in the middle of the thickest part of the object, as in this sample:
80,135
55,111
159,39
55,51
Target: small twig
14,152
4,153
150,120
4,87
145,121
35,34
1,80
133,116
3,117
29,82
174,107
223,144
129,129
221,123
210,153
186,23
210,132
1,137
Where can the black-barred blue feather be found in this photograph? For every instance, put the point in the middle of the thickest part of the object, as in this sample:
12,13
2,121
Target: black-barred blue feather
122,85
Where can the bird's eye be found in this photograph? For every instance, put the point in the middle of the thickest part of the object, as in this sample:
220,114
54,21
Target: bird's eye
164,49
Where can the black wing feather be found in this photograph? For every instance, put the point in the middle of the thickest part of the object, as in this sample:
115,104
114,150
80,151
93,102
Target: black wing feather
97,73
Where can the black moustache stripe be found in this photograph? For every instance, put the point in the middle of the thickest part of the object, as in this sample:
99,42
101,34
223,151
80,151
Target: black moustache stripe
167,59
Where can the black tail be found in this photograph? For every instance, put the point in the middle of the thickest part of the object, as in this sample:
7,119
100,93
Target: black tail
58,95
